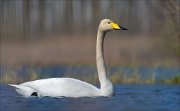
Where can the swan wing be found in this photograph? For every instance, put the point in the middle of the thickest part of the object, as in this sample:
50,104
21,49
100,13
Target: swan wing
67,87
23,90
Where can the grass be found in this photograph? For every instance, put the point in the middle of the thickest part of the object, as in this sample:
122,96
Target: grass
172,80
121,76
13,77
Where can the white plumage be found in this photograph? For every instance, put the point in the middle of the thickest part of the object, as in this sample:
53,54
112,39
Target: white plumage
69,87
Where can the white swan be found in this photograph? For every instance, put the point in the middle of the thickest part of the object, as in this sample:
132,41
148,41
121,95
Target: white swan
69,87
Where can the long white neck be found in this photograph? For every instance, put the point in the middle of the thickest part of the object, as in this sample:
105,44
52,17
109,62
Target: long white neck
105,84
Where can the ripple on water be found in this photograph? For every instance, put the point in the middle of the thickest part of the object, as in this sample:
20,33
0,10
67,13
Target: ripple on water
127,98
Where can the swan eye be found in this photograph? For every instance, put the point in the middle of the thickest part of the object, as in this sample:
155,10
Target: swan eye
109,22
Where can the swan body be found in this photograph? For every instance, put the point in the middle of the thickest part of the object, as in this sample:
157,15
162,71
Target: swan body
56,87
69,87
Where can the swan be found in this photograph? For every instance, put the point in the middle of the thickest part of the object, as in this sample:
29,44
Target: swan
69,87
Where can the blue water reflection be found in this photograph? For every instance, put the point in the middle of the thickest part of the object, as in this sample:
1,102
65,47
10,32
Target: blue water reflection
127,98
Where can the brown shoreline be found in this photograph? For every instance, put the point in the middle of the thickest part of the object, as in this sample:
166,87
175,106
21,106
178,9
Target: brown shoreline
81,50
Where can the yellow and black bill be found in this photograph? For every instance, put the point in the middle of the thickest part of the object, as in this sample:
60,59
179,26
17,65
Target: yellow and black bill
118,27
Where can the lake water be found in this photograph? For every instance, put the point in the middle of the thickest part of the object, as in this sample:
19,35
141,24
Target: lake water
127,98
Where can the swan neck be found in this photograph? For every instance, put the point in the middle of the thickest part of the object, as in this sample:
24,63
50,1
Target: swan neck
100,58
106,86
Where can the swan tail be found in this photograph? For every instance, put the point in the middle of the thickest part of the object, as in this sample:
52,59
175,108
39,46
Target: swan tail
23,90
13,85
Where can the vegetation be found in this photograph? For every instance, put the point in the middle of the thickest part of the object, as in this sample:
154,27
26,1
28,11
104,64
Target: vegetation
172,80
124,75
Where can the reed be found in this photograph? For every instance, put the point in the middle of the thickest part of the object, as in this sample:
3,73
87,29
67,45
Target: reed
118,77
172,80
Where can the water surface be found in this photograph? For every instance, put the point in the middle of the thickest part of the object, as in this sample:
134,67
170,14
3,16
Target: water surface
127,98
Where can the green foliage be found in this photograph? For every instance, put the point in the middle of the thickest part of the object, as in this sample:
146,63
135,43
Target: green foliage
13,77
173,80
118,77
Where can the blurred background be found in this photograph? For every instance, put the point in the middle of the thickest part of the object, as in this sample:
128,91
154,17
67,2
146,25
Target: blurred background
42,39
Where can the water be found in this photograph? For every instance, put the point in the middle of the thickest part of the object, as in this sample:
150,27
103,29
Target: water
127,98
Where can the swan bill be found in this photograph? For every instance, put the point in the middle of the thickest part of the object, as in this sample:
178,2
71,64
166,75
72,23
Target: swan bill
122,28
115,26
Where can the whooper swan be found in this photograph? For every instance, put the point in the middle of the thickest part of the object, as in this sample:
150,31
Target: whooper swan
69,87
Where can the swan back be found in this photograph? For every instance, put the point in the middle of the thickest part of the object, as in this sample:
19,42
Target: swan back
56,87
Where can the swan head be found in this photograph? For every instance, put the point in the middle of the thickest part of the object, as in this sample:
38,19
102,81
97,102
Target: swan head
108,25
